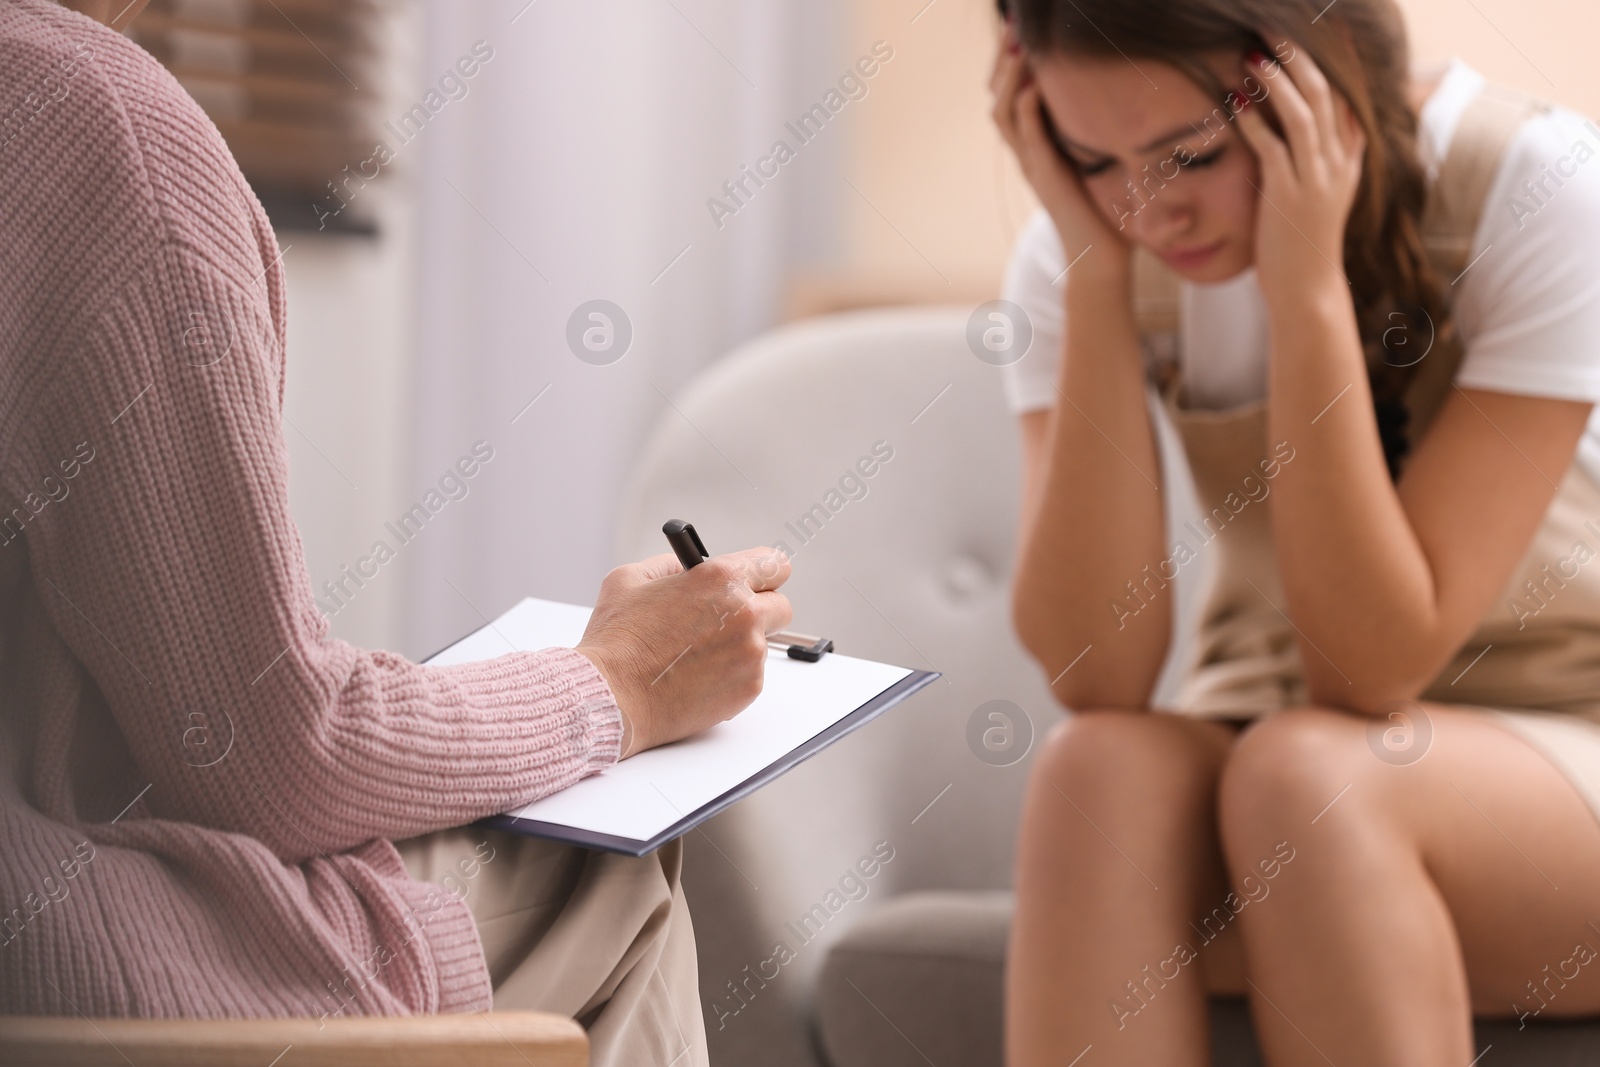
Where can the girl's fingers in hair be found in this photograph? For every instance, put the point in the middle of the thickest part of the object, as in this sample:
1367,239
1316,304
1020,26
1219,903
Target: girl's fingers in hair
1006,46
1314,86
1006,98
1010,68
1299,123
1028,124
999,83
1276,164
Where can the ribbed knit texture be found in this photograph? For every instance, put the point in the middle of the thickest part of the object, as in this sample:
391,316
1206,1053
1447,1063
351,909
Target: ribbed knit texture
156,612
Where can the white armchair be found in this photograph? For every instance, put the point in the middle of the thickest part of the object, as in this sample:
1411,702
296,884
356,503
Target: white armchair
914,571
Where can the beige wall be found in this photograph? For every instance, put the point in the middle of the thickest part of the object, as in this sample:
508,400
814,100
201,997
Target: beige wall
926,157
925,153
345,410
350,362
1542,46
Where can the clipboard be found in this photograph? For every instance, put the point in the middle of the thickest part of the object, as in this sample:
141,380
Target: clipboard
636,806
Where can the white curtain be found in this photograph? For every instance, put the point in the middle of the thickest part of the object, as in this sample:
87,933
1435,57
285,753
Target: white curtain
574,163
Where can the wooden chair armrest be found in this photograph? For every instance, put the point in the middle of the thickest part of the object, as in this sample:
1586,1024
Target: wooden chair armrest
500,1039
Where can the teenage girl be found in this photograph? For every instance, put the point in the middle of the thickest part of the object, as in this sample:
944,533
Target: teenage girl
1371,807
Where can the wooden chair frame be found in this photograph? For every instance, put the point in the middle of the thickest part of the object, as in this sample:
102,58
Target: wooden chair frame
500,1039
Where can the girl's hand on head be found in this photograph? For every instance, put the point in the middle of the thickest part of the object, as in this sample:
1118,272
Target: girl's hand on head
1081,226
1309,176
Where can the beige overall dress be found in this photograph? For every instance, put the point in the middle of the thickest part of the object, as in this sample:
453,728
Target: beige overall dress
1533,664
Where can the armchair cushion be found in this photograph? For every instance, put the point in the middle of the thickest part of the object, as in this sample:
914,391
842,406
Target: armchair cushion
921,979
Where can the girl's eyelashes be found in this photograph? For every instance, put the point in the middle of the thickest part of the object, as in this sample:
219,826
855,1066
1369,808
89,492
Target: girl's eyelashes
1205,160
1101,166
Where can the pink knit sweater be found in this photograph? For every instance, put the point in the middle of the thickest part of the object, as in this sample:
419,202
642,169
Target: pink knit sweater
156,612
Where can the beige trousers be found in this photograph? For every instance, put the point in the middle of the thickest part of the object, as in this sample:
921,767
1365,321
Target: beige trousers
602,938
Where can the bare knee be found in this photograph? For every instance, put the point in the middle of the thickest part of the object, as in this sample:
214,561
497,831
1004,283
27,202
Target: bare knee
1287,771
1111,754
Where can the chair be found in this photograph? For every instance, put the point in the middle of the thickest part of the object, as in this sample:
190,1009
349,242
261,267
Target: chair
502,1039
907,970
933,962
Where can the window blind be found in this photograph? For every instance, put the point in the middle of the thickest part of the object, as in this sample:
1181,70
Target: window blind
291,84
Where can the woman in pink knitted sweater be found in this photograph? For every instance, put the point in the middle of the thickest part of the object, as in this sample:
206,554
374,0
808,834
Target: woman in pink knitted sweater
151,577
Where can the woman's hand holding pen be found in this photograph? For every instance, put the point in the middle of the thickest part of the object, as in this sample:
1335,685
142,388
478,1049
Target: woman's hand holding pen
685,650
1018,114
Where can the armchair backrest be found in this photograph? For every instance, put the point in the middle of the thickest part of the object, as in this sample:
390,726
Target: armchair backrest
877,449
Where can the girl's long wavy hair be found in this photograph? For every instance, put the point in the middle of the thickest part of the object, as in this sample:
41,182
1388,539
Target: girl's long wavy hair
1361,46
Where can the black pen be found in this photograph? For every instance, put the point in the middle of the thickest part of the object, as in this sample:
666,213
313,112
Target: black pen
691,552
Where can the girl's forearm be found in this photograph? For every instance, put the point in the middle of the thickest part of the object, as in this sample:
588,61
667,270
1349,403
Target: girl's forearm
1359,587
1093,520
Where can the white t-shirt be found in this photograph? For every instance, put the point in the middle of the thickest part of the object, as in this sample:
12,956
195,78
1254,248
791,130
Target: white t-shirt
1528,307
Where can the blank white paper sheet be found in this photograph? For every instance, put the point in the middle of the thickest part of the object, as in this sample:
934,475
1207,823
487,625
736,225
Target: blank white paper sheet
642,797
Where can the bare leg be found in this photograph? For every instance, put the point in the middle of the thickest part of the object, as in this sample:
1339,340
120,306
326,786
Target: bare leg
1118,855
1415,896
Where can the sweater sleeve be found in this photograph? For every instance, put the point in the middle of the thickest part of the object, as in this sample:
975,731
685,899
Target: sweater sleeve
169,563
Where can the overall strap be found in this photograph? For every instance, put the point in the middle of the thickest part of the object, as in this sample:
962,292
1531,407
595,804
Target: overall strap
1456,202
1456,197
